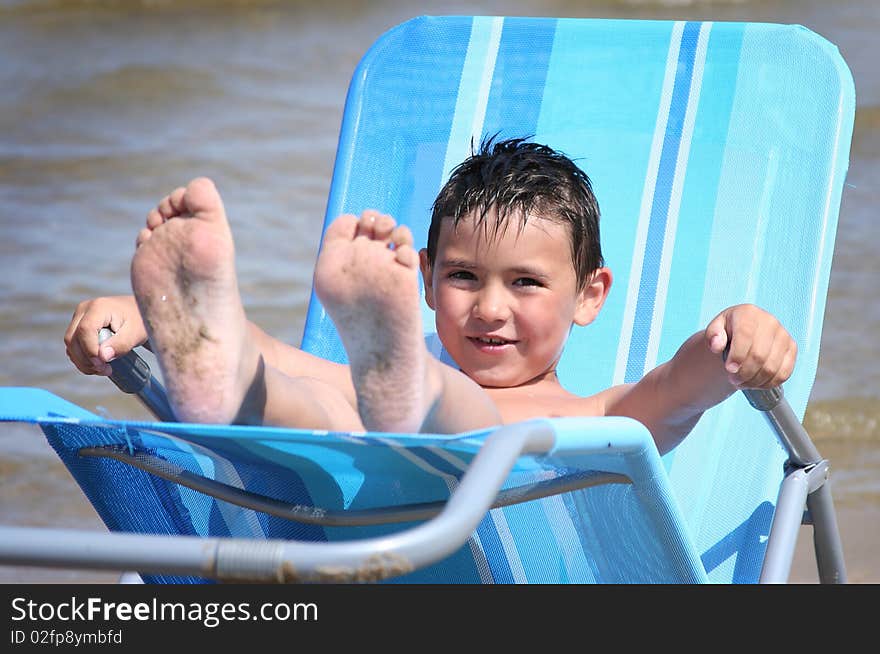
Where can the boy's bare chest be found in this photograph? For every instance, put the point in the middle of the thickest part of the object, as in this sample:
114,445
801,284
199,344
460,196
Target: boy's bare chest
524,404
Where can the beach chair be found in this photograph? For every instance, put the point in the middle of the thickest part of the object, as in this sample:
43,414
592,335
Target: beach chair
717,152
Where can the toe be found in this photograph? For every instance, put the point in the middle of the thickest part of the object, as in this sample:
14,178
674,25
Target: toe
384,226
366,225
202,198
176,201
166,207
344,228
400,236
143,236
406,256
154,219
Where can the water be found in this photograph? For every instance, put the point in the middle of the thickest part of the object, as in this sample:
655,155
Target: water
108,105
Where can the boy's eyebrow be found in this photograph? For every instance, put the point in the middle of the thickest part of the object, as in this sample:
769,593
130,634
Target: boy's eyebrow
457,263
468,265
529,272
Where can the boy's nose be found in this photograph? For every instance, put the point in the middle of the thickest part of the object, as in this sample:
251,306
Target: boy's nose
491,306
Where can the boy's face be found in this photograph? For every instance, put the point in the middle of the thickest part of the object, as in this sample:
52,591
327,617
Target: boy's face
505,302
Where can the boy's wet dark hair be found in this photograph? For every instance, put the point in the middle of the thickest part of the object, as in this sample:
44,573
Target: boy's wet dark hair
521,178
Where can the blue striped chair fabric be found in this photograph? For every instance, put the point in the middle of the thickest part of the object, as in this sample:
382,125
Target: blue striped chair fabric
717,152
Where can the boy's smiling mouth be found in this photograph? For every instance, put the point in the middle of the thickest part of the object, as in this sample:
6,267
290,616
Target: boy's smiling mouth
488,343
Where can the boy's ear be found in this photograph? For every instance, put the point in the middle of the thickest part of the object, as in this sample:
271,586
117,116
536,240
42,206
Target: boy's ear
427,276
592,297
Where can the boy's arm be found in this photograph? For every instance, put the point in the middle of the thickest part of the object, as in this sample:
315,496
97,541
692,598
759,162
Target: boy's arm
120,313
670,399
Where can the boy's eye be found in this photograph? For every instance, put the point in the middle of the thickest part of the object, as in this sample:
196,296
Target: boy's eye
462,275
527,281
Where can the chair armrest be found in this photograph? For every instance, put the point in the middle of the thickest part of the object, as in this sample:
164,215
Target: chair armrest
369,559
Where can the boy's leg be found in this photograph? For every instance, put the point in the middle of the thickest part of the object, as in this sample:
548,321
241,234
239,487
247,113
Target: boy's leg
367,279
300,402
183,276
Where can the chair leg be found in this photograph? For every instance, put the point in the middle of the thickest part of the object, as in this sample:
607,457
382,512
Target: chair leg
784,529
804,487
805,483
826,537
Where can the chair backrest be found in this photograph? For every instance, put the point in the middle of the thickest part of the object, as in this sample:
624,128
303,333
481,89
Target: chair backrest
717,152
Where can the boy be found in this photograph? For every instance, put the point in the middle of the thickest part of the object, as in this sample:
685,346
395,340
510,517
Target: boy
512,262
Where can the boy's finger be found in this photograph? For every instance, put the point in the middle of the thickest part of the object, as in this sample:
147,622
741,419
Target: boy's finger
716,335
86,336
738,353
758,370
717,342
766,376
88,330
107,353
101,368
117,344
770,344
786,368
782,366
71,327
74,354
753,369
80,359
743,332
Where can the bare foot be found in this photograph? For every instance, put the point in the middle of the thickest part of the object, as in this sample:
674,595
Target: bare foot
367,279
183,276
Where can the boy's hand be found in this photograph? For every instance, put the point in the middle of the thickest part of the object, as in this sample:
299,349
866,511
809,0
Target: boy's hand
762,353
119,313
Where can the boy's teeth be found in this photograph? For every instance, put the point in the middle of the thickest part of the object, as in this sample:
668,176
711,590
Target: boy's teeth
492,341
